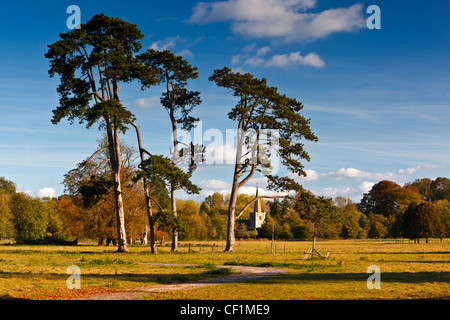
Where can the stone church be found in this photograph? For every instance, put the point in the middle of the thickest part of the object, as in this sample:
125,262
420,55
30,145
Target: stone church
257,216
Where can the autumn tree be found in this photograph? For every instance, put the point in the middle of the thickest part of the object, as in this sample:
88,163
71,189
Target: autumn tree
390,200
7,190
381,199
6,216
35,218
160,170
91,193
443,206
216,201
214,207
321,212
197,224
378,226
92,62
7,186
422,221
350,218
440,189
71,216
179,102
423,187
260,109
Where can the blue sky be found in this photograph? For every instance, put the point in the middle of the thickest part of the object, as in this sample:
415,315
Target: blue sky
379,100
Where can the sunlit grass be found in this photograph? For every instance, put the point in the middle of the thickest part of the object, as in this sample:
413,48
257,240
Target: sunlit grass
408,271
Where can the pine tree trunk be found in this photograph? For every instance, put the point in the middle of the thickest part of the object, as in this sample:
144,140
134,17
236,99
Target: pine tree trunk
150,219
175,230
116,166
148,203
120,214
234,191
173,199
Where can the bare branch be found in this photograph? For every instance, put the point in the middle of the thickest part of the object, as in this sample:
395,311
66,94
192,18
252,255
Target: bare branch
82,164
185,144
95,153
244,181
157,203
100,165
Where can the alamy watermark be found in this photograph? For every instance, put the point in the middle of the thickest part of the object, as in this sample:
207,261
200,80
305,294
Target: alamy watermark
374,280
259,147
74,20
374,21
74,281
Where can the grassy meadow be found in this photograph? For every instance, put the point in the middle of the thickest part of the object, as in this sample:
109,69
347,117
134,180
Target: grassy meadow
408,270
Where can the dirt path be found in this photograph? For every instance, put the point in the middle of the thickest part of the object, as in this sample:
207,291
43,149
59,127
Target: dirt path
245,274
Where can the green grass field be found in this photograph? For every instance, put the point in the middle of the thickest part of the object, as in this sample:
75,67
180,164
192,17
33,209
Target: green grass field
408,270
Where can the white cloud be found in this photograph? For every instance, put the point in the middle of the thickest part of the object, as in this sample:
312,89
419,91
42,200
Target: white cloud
46,192
294,58
147,103
311,175
282,19
42,193
256,59
312,59
166,44
413,170
236,59
27,192
358,174
214,184
353,173
365,186
185,53
262,51
254,62
239,70
219,153
170,43
355,194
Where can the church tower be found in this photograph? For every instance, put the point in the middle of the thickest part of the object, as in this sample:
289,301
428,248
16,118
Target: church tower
257,217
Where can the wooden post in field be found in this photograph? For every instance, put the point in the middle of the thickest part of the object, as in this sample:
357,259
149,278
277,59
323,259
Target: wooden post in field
313,251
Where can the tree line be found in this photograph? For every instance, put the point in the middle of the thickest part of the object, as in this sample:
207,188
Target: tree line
419,209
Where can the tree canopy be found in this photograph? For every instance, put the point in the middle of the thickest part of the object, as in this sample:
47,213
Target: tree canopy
92,62
260,109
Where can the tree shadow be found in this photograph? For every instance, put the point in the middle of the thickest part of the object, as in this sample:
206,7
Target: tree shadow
158,278
396,252
401,277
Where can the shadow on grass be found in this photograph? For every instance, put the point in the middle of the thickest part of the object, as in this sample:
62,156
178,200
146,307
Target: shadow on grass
8,297
400,277
396,252
156,278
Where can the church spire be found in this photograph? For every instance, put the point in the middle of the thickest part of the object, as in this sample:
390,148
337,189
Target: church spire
257,203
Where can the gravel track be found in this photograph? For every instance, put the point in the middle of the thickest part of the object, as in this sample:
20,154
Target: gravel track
245,274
